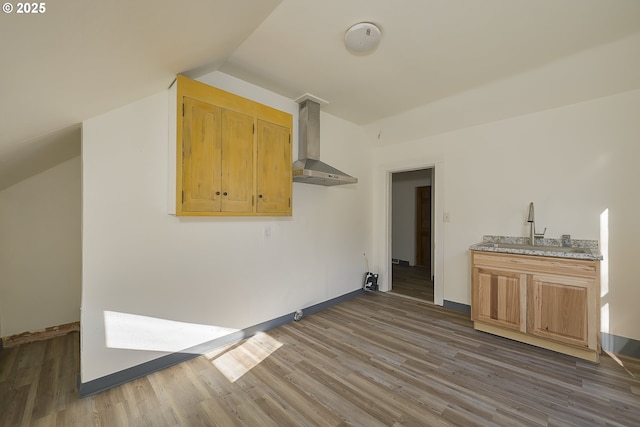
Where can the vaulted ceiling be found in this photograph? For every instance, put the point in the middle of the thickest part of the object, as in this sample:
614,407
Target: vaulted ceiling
82,58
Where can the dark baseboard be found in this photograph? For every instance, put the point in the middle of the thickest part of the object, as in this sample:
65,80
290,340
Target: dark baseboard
620,345
117,378
456,306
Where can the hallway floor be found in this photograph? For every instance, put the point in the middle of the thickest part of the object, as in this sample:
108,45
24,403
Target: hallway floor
412,281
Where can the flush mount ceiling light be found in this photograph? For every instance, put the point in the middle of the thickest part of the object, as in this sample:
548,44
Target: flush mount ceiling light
362,38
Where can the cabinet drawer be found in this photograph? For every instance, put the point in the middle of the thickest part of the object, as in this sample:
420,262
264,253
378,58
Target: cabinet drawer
536,264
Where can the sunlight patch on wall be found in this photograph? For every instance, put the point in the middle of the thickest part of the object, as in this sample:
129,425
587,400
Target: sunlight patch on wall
241,358
604,270
604,318
604,250
137,332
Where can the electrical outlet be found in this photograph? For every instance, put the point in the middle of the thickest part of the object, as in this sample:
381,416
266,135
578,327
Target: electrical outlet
267,232
447,217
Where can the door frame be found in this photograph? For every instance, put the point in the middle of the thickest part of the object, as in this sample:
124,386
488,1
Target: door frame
437,229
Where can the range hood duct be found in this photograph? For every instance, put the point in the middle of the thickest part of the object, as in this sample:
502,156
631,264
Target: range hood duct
309,169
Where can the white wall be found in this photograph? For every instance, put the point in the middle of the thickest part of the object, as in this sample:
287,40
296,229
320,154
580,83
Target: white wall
574,162
403,214
222,272
40,250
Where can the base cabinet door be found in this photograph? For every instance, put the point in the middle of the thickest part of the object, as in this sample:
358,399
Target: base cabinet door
558,309
498,298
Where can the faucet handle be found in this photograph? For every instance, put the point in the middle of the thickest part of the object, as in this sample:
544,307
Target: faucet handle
540,234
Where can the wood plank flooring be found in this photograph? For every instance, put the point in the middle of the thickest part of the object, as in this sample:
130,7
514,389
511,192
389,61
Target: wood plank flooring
376,360
412,281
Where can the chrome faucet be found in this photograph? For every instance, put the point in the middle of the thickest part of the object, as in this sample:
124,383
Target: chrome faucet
531,220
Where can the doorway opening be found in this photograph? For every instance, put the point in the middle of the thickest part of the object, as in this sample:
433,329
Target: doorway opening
412,234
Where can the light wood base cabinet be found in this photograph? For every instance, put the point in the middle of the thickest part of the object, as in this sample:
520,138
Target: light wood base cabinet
544,301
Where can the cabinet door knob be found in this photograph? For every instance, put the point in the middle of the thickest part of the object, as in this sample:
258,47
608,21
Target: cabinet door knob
259,196
225,193
217,193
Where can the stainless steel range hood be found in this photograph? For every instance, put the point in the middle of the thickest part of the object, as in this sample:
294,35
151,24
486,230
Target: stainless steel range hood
309,169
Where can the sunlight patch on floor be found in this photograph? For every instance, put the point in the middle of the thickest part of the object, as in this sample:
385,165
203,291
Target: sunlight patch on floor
236,360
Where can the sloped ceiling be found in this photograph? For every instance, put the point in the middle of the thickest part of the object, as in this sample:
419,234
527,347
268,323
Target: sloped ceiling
82,58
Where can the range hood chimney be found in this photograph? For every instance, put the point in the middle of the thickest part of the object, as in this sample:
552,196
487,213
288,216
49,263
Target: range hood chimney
309,169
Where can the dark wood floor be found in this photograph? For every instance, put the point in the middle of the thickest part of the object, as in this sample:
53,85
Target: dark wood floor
377,360
412,281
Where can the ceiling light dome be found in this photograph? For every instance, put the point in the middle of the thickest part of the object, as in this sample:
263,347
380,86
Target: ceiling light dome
362,38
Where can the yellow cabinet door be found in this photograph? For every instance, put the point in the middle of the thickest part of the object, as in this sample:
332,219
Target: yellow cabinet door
558,309
237,162
201,157
498,298
274,166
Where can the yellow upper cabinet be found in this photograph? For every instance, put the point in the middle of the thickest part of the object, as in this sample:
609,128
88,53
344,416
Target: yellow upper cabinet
233,154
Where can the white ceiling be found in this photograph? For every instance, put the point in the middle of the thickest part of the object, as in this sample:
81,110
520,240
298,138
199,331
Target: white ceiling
430,49
82,58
